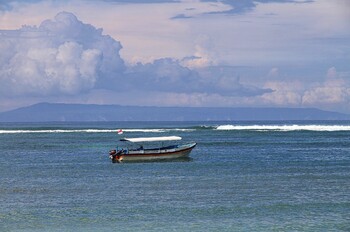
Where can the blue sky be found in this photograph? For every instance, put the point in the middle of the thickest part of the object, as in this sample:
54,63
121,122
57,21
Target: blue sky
230,53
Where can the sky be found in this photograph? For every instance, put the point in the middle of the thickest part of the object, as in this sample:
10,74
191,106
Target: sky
209,53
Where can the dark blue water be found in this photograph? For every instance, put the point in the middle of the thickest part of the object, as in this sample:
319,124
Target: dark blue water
253,176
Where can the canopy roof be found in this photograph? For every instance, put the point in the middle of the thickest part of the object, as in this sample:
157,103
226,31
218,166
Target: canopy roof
152,139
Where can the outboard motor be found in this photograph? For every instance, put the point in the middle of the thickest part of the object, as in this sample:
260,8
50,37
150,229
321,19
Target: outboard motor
112,154
115,156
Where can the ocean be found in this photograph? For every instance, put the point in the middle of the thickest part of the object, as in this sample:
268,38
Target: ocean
242,176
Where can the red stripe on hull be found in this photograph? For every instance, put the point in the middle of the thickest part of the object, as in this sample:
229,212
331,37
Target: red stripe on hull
154,156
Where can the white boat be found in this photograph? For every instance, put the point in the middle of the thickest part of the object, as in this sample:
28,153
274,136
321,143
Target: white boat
151,154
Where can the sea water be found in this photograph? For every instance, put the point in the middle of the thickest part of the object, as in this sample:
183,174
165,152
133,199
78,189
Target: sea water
242,176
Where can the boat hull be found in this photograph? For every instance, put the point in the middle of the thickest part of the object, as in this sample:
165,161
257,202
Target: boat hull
154,155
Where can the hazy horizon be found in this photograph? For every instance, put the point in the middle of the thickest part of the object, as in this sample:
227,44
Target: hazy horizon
48,112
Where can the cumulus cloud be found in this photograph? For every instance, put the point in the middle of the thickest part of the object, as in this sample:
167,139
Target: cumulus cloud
334,90
61,56
168,75
333,93
203,56
225,81
332,73
64,58
274,72
285,93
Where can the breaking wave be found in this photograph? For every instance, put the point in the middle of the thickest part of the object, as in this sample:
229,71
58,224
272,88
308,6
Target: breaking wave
286,127
229,127
91,131
55,131
157,130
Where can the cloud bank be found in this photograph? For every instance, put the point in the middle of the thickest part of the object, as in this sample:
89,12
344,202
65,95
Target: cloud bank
61,56
196,53
65,56
168,75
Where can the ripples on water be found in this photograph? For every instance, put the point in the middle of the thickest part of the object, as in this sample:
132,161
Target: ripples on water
250,177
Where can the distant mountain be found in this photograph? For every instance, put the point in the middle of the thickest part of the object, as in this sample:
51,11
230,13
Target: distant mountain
44,112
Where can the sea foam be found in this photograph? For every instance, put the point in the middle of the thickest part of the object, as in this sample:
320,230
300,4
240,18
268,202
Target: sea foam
92,131
285,127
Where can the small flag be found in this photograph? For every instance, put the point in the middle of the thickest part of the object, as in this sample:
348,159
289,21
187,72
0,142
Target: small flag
120,131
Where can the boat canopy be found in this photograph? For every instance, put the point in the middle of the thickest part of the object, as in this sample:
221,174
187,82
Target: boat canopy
151,139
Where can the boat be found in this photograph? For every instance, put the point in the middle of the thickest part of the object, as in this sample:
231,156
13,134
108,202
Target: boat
138,153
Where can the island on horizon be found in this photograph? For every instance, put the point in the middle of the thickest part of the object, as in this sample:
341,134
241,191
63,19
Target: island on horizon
46,112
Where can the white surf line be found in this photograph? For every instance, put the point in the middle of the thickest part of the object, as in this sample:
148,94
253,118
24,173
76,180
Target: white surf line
286,127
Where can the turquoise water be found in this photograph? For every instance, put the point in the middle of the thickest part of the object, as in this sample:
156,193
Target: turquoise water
242,176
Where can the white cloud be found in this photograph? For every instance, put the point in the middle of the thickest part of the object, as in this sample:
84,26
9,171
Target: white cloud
274,72
147,31
168,75
169,48
202,56
334,90
326,95
333,93
65,56
284,93
273,32
332,73
61,56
